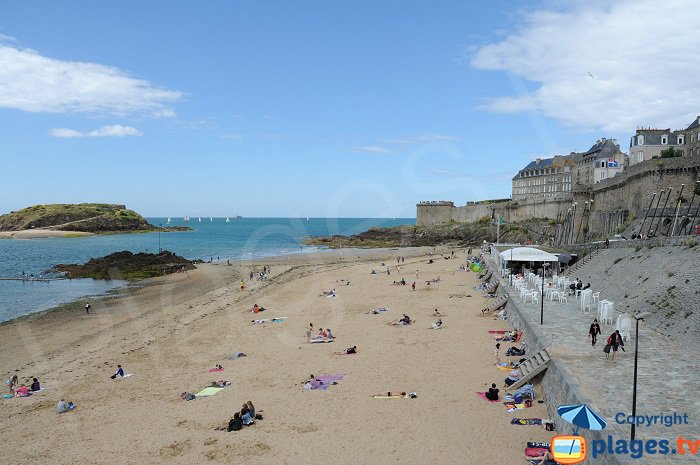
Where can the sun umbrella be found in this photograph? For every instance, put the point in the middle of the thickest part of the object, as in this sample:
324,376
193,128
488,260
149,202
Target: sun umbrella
581,417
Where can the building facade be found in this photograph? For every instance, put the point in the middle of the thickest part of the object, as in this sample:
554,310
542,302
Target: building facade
545,178
647,143
602,161
692,138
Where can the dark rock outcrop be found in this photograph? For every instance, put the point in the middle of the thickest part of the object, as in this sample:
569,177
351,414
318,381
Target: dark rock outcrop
127,265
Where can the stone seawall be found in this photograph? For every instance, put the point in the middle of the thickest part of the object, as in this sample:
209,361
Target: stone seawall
558,385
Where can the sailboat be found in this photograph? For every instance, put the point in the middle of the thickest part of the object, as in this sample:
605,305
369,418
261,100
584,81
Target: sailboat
211,219
168,219
186,218
227,220
199,219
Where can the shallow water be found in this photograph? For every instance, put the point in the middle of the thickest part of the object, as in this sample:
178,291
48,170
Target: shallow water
242,238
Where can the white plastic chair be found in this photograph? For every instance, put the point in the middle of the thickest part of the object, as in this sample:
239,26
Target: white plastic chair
535,296
586,303
626,329
562,298
596,296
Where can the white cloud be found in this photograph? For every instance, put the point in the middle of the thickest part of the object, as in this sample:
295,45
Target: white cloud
116,130
639,54
35,83
372,149
6,38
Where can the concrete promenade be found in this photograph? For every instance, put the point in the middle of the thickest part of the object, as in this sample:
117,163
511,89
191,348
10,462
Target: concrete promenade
668,373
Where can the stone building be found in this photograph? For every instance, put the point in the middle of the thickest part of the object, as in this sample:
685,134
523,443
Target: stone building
692,138
648,143
545,178
602,161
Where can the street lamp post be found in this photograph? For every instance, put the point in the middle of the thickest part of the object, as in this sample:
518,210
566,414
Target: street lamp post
639,317
544,266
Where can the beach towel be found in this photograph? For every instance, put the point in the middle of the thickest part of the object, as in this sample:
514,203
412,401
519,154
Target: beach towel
210,391
128,375
535,451
511,407
498,331
483,396
237,355
344,353
326,381
270,320
216,370
7,396
526,421
320,340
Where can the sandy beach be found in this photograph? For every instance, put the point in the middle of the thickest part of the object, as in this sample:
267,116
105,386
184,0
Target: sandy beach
41,234
172,330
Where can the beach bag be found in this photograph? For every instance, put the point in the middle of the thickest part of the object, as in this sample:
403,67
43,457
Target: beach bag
609,340
606,349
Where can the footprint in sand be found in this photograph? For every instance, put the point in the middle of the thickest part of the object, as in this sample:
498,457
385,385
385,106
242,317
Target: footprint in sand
175,449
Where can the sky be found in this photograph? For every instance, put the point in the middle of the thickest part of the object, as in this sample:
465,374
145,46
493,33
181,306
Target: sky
323,109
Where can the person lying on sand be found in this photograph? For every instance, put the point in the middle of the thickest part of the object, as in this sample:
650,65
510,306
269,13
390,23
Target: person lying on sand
312,383
187,396
22,391
437,324
330,293
391,394
219,384
351,350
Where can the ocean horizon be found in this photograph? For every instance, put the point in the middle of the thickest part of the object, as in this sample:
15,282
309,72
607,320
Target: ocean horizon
238,239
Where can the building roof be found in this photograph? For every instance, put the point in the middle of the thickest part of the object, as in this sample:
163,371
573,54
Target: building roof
694,124
527,254
604,148
653,137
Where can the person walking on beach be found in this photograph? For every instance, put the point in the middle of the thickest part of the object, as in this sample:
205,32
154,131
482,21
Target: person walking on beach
87,308
413,286
615,341
594,331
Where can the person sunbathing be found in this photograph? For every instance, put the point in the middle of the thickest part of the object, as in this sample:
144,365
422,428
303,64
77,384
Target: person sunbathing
36,386
219,384
513,377
187,396
63,406
437,324
22,391
492,394
312,383
351,350
405,320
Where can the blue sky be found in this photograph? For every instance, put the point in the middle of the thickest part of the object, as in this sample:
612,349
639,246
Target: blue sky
321,108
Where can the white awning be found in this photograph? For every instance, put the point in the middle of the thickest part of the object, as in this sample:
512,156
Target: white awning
527,254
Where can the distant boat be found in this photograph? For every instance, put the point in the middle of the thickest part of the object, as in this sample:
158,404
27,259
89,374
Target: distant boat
187,218
211,219
199,219
307,218
238,217
227,220
168,219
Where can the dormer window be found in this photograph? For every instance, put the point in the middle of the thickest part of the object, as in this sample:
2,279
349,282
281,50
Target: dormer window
640,139
664,140
681,140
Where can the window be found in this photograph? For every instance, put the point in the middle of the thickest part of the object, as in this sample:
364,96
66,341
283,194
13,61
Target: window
640,156
681,140
640,139
602,175
664,140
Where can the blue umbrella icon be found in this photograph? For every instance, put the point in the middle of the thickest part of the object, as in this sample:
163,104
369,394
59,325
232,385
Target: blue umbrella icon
581,417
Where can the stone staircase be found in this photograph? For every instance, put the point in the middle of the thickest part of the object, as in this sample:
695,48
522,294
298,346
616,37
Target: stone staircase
531,367
577,266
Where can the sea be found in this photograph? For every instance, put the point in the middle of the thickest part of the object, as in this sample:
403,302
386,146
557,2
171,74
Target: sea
215,238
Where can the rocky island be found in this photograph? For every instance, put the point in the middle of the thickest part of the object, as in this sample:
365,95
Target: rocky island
127,265
75,219
457,234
